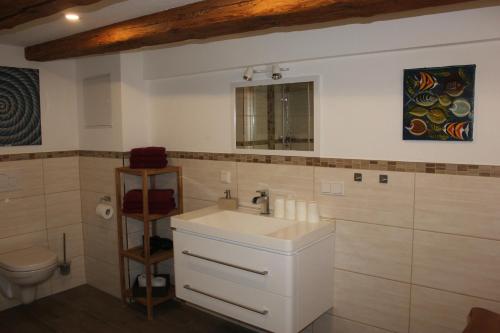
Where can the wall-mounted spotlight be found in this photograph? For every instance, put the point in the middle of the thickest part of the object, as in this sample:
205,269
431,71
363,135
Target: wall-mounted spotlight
248,75
276,72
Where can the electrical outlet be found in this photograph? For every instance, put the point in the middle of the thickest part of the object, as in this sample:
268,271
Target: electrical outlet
326,188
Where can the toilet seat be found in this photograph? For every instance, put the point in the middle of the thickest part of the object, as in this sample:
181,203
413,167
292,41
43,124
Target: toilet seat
28,260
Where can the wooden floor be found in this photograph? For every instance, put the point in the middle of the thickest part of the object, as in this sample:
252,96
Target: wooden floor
86,309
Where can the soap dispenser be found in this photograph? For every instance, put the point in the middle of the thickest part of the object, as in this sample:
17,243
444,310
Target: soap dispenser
228,203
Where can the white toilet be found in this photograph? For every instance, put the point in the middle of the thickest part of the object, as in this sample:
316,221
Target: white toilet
22,271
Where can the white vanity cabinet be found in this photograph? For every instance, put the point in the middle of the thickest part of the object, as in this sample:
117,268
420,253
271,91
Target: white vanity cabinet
278,291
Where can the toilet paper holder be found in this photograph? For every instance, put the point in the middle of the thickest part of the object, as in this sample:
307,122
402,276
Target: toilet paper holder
105,199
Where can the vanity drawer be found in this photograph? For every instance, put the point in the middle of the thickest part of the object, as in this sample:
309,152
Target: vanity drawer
242,265
255,307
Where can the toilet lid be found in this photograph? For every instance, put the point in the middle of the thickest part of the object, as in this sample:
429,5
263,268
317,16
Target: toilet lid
31,259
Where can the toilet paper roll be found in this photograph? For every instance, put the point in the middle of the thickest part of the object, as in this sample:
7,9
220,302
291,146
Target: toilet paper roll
105,211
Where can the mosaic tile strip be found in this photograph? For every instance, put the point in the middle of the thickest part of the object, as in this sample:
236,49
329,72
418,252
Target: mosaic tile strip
103,154
35,156
57,154
380,165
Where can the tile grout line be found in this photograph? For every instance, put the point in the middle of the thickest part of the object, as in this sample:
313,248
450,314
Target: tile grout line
412,250
418,285
361,323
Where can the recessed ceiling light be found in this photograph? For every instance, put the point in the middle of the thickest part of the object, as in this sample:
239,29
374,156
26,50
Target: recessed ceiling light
72,17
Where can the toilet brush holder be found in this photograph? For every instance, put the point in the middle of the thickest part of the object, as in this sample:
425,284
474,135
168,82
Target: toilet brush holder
65,266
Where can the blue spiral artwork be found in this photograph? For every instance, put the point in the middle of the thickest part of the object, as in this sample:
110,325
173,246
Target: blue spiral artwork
19,107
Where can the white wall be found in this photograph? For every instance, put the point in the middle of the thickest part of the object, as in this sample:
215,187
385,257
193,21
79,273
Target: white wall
135,109
360,95
57,100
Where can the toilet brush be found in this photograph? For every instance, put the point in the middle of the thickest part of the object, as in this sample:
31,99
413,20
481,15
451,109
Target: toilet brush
65,266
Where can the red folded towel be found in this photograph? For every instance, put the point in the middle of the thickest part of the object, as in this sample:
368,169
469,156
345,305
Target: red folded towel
154,196
163,208
148,162
148,151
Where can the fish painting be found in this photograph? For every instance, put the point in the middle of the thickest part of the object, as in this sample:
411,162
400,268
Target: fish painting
425,99
426,81
438,103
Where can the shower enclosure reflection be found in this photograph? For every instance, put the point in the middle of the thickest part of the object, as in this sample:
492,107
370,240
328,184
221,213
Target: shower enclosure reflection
275,116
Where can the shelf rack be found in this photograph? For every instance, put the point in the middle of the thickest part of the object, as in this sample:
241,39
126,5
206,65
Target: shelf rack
141,253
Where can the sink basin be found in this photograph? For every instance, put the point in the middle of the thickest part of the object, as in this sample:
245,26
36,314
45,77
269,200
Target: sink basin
251,228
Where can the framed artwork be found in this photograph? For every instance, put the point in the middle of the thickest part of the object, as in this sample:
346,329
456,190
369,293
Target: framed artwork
439,103
20,123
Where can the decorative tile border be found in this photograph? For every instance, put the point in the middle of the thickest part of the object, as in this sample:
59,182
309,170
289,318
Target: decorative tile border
57,154
421,167
36,156
380,165
103,154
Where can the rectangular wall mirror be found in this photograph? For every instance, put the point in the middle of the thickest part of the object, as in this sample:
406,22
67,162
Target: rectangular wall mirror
275,116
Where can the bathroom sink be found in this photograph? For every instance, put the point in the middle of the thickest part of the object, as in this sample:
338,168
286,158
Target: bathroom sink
249,227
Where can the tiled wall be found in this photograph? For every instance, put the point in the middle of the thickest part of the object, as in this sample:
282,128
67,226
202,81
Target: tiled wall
101,248
413,255
97,177
43,203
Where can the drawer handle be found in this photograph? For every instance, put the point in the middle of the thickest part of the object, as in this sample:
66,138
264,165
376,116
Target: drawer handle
261,312
225,263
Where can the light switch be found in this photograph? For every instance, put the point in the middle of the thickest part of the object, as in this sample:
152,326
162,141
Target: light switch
338,188
326,188
225,177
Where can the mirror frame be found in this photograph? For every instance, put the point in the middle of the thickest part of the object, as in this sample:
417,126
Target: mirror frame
317,116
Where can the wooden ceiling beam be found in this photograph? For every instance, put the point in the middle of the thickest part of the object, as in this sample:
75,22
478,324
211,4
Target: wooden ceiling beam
214,18
17,12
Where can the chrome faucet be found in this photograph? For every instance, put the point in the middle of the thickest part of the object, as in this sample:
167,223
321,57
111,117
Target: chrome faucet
263,200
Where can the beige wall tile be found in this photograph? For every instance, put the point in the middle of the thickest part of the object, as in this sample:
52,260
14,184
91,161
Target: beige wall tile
74,241
368,201
279,179
372,301
76,278
458,205
201,178
98,174
63,208
194,204
435,311
90,200
25,178
100,244
456,263
22,215
61,174
342,325
23,241
103,276
373,249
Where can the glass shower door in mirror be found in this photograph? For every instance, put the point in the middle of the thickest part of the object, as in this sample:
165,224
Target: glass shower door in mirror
275,117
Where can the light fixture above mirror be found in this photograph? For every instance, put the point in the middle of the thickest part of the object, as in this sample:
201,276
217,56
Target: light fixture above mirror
275,71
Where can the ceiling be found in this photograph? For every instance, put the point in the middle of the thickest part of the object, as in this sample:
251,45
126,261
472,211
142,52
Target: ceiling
94,16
